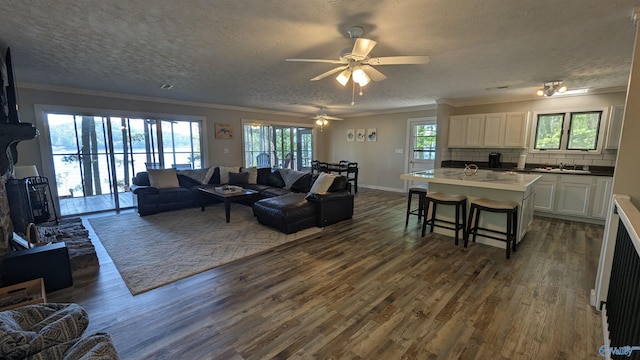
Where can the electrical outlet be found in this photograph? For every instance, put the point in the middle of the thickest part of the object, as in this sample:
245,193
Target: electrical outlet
399,151
226,150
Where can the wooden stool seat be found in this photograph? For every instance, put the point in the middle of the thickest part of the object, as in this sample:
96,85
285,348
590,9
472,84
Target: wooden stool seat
421,191
510,208
460,203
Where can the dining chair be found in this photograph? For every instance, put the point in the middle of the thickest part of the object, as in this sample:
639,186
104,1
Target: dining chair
352,175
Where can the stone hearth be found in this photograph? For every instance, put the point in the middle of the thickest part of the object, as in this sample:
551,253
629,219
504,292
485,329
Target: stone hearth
6,227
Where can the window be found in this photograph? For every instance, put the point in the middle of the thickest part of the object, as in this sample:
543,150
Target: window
582,131
280,146
549,131
424,142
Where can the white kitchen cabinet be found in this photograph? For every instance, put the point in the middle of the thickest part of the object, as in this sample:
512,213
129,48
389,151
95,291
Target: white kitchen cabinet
602,197
546,193
574,195
474,134
494,126
614,130
515,130
457,129
498,130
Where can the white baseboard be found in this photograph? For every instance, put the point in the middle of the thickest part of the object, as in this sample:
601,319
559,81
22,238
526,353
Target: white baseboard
384,188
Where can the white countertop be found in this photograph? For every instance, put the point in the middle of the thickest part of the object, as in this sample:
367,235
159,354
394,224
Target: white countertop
507,180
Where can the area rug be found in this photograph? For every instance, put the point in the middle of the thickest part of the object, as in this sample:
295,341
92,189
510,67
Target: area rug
155,250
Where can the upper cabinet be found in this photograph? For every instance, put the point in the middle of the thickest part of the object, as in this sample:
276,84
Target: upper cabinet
494,128
500,130
515,132
615,127
457,129
474,133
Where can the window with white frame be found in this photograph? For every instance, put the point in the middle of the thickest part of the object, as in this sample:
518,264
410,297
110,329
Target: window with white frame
277,145
568,131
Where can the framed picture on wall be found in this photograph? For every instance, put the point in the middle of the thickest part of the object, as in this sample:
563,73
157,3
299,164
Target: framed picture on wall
224,131
371,134
351,134
360,135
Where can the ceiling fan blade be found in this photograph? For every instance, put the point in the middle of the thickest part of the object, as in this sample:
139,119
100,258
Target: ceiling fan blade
317,61
330,72
373,73
399,60
327,117
362,48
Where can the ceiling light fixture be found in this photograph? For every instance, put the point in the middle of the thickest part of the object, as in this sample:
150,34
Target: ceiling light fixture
552,87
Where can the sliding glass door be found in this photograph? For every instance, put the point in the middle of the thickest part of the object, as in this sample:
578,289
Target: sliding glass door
95,157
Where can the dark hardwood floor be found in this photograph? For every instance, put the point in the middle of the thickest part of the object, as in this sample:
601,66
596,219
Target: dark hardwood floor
367,288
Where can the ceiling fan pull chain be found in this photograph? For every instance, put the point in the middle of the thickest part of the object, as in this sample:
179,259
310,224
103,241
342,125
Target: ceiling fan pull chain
360,93
353,93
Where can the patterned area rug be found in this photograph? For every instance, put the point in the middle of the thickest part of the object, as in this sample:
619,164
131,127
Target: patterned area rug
156,250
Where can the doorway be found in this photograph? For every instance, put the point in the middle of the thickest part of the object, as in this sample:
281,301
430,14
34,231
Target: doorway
421,146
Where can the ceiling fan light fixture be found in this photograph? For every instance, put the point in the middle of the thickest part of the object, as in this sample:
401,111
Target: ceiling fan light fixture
360,76
343,77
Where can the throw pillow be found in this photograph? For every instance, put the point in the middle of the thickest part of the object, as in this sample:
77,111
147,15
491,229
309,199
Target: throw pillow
290,177
323,183
224,173
238,178
253,174
303,184
201,175
163,178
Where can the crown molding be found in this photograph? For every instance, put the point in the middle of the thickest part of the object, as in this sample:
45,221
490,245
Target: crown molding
425,107
76,91
462,102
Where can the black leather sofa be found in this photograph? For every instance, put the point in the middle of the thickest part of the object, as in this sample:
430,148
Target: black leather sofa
288,210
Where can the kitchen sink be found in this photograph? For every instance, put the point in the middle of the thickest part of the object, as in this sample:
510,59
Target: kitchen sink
562,171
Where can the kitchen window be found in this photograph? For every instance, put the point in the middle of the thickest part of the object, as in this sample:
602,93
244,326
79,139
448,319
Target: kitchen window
568,131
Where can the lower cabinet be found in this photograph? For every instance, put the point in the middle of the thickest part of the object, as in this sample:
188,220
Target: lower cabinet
546,193
574,195
602,197
578,197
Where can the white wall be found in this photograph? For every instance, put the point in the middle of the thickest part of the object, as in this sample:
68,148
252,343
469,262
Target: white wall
379,165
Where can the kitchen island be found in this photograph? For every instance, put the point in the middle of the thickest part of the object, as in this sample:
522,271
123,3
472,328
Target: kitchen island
496,185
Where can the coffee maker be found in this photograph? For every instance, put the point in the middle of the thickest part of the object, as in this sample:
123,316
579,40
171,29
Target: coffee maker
494,160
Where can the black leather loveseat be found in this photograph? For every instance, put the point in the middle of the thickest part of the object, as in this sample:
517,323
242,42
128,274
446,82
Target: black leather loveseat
287,208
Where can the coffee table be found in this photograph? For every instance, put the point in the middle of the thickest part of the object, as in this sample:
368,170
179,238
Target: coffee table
243,194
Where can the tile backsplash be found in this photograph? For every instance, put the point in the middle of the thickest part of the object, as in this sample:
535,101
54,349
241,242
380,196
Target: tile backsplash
606,158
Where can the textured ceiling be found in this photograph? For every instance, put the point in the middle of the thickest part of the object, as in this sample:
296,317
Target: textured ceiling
231,52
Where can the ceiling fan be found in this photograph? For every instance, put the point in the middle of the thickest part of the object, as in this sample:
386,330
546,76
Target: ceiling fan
322,118
357,65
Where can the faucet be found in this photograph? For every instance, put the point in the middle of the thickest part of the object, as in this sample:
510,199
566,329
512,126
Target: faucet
561,166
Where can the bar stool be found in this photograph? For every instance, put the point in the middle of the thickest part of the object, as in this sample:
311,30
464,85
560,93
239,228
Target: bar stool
421,191
460,203
505,207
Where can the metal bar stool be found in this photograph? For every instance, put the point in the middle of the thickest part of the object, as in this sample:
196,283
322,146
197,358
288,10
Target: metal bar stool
460,203
506,207
421,191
